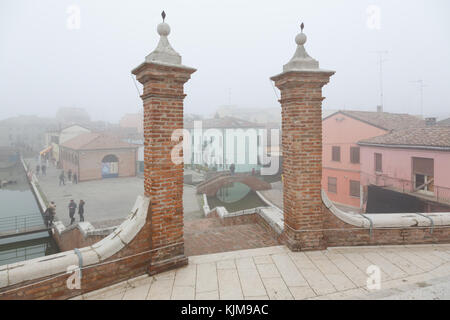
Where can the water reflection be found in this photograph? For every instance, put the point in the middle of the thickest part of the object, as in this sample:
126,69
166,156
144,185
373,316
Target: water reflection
233,192
234,197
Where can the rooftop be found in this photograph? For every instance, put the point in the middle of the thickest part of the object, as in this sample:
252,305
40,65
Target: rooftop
426,137
385,120
445,122
96,141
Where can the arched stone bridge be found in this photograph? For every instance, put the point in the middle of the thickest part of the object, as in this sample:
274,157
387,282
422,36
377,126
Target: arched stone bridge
213,185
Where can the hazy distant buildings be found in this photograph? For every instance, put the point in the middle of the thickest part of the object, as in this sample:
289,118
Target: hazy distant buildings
66,116
25,132
133,120
256,115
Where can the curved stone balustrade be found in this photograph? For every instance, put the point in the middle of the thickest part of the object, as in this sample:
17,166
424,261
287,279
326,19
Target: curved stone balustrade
41,267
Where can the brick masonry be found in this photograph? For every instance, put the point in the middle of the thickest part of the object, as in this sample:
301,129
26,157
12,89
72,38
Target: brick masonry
110,271
212,235
73,238
163,113
338,233
163,179
308,224
301,112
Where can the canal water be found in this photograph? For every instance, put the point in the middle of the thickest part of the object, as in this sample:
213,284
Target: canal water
235,197
16,200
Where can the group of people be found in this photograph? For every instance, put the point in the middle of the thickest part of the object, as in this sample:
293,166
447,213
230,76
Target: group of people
72,209
71,177
50,213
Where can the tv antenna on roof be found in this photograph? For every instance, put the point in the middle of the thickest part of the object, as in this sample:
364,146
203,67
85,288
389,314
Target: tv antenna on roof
380,62
421,86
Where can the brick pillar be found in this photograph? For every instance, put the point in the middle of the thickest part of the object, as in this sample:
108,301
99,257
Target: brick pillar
163,77
301,85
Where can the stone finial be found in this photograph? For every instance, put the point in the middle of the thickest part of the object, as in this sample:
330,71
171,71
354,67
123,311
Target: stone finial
164,53
301,61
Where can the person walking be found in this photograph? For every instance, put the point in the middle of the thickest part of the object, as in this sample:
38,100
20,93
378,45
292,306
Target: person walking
47,217
62,178
38,167
44,170
75,178
49,214
232,168
81,210
72,209
69,175
52,213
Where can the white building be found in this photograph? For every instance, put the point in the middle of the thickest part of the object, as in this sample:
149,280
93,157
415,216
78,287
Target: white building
220,142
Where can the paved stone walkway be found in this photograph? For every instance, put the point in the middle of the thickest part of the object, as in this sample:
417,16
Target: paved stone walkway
407,272
108,201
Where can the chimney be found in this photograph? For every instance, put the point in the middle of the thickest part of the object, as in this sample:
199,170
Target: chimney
431,121
379,108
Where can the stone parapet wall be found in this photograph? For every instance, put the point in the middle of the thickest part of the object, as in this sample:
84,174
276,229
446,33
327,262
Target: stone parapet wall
353,229
80,235
123,254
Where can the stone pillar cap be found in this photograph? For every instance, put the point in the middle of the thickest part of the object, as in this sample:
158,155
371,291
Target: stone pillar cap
164,53
301,61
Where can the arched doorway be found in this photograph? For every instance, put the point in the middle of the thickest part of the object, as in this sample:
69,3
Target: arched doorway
110,166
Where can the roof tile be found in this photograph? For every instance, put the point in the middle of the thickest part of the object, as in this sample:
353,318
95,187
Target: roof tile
96,141
434,136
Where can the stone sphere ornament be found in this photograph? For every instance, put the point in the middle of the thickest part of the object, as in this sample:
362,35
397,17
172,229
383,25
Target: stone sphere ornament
163,29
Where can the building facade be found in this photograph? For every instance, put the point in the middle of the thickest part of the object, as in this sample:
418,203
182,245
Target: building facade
219,142
54,139
414,161
94,156
341,153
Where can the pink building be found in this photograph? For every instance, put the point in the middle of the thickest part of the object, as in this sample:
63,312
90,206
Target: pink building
341,153
414,161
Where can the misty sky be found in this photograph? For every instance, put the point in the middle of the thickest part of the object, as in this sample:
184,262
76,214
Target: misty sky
235,45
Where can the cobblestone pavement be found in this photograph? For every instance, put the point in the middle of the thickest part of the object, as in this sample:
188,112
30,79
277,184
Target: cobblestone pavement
407,272
209,236
108,201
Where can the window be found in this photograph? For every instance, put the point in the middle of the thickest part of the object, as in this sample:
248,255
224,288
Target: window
354,154
354,188
378,162
423,173
336,153
332,184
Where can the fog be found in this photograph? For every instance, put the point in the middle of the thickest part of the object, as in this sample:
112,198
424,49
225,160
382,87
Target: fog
235,45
